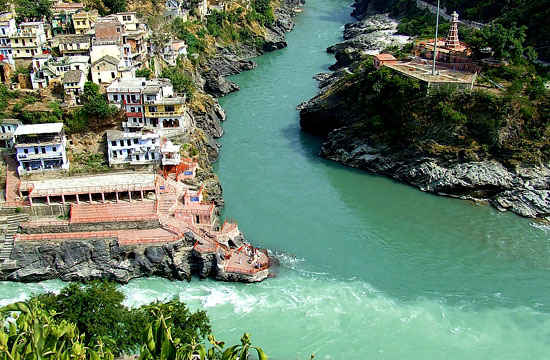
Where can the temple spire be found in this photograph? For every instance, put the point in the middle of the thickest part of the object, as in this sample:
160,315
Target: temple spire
452,38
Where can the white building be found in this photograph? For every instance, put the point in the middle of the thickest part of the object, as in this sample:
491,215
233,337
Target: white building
28,40
41,147
7,29
7,129
47,69
149,104
126,94
173,50
140,148
73,85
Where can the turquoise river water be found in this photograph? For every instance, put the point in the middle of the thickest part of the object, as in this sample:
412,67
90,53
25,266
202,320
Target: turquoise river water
370,269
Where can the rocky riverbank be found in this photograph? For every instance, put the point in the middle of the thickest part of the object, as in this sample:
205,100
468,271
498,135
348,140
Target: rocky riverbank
445,170
85,260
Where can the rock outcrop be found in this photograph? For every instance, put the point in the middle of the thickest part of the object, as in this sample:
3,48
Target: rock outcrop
333,115
85,260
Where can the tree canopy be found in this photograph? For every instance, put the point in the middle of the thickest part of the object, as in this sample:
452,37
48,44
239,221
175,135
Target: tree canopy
29,10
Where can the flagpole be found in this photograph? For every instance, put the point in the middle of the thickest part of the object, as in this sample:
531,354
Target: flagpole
435,40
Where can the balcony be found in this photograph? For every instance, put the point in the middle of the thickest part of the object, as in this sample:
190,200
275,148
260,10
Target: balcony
131,124
49,155
134,114
157,114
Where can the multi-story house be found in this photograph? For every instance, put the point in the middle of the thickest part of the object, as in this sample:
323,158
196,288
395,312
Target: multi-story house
62,17
126,94
37,77
163,109
53,70
7,128
40,147
28,40
73,84
84,21
140,148
7,29
74,44
149,104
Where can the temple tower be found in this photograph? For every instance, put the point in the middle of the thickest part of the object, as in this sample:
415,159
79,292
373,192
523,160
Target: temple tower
452,38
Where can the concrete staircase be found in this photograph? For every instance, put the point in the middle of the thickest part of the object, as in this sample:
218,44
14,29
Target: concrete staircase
13,225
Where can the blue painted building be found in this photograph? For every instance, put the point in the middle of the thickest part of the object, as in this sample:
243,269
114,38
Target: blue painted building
41,147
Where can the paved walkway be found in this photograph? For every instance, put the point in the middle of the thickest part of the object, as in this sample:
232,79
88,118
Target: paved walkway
12,180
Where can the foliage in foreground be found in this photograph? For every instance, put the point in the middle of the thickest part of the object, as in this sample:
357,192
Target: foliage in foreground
90,322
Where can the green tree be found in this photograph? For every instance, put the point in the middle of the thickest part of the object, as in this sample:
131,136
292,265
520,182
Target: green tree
28,10
506,42
95,103
97,310
182,83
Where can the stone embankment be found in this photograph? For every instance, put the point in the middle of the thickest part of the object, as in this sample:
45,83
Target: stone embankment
104,258
522,190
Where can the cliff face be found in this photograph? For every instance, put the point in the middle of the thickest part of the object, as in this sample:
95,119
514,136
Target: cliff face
471,146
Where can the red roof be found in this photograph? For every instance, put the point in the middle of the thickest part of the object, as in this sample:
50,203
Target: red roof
385,57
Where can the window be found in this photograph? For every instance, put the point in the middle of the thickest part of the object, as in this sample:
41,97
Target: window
26,151
117,29
36,150
132,109
129,142
113,75
43,150
113,143
135,141
115,97
3,129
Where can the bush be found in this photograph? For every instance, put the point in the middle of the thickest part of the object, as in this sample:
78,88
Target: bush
182,83
97,310
144,72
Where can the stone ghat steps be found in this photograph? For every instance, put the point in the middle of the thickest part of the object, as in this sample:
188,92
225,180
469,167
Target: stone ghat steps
112,212
13,222
167,203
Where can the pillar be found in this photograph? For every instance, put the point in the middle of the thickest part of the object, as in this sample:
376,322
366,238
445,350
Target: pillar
130,195
90,197
77,199
116,193
141,195
103,197
63,199
48,199
30,200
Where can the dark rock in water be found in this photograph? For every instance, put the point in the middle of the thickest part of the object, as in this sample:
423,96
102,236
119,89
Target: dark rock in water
217,85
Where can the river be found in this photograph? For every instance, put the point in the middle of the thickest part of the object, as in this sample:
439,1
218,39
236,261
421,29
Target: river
370,269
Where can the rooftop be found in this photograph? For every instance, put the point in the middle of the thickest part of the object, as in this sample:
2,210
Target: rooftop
39,129
73,38
72,76
10,121
118,135
121,84
385,57
423,72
